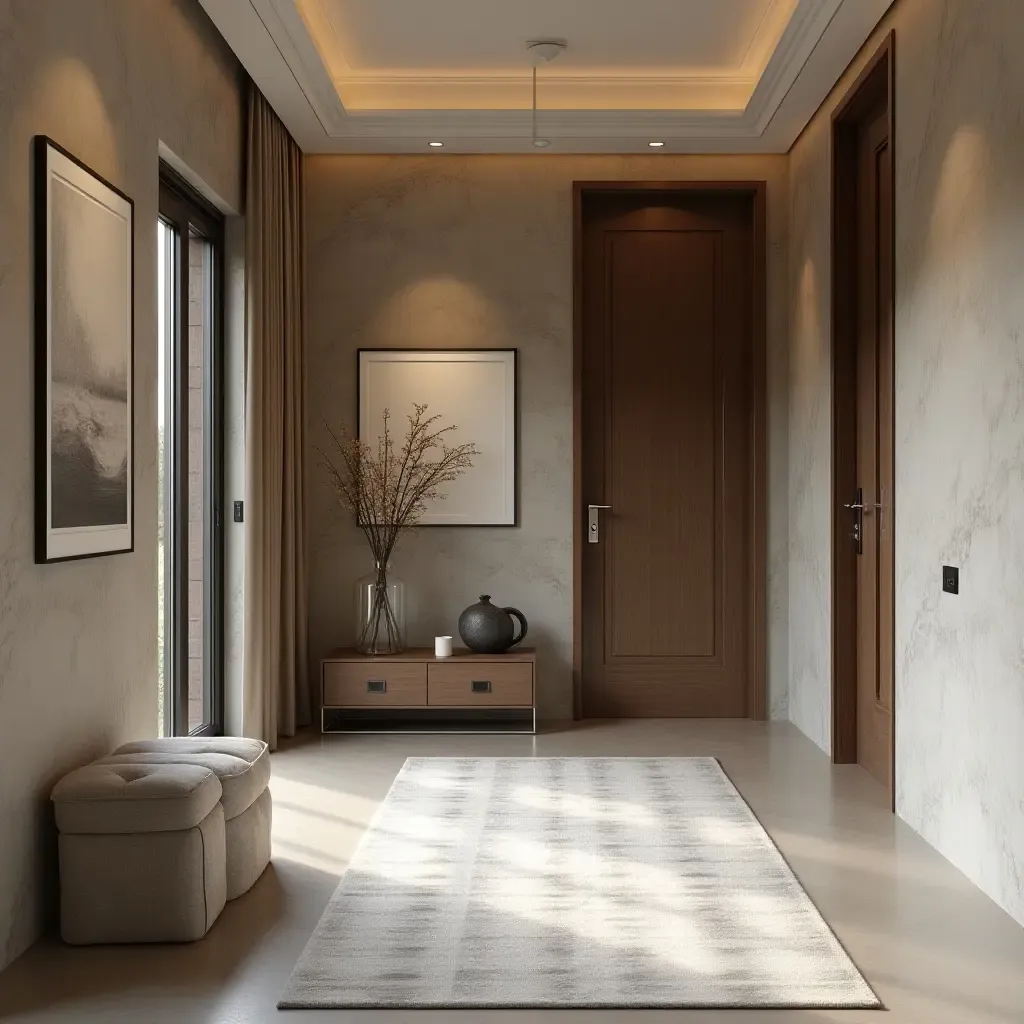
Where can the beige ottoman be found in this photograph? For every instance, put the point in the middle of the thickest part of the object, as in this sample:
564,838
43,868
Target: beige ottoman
243,768
141,853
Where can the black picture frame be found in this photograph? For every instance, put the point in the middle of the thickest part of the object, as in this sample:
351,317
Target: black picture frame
77,510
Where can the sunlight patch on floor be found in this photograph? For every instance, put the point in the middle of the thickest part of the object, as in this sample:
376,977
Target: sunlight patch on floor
579,805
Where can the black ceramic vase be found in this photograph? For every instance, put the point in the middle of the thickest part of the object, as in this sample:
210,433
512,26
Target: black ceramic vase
487,629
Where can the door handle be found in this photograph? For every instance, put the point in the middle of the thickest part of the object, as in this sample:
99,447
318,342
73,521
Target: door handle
858,508
594,522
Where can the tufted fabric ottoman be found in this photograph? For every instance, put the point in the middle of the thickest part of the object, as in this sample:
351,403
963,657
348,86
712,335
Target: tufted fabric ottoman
243,768
141,852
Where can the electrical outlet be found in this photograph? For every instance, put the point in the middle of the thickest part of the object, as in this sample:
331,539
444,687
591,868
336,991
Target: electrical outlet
238,509
950,579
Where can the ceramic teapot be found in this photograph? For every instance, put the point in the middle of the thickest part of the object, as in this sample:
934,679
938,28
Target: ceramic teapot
487,629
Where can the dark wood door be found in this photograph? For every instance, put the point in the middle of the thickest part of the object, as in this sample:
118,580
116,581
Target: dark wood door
875,581
667,300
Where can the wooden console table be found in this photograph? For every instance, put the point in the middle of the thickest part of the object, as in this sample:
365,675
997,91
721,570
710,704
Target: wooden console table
417,692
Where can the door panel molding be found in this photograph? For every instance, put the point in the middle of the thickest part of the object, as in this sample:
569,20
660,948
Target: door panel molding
756,600
872,92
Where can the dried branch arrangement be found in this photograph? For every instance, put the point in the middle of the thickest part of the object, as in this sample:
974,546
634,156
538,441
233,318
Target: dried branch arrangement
388,486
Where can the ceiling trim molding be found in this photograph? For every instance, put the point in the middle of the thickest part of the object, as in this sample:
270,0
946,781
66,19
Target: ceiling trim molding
591,124
381,94
809,24
288,29
523,79
285,26
273,42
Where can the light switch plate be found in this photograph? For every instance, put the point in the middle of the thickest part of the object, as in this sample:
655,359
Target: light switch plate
950,579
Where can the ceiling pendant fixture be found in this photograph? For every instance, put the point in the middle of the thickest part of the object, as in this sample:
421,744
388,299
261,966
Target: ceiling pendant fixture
541,51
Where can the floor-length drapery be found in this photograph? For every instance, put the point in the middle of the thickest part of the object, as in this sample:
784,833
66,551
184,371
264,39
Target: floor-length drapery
275,697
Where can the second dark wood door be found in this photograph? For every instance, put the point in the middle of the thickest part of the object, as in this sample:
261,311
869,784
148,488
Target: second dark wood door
667,310
875,562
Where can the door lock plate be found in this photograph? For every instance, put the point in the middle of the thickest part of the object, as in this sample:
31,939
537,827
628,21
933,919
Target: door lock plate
594,522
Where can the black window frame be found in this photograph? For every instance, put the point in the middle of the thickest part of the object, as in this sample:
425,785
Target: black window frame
188,213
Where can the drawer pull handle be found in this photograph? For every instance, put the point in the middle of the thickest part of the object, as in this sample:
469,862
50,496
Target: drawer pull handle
376,685
481,686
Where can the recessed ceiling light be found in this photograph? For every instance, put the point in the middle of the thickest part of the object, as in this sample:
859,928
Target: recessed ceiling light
435,145
655,145
542,143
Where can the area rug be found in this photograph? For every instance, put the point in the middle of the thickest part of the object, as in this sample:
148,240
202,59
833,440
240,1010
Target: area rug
570,883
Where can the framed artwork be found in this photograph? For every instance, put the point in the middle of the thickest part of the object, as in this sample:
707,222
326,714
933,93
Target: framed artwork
474,389
84,325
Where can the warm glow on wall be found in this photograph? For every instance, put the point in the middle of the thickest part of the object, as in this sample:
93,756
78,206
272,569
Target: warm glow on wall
65,91
810,341
440,312
960,195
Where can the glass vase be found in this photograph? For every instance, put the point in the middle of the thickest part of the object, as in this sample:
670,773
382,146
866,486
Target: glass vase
380,612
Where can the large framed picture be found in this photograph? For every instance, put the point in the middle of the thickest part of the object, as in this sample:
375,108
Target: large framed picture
472,389
84,325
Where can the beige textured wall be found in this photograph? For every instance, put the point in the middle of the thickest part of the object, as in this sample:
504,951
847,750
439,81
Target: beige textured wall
448,251
959,431
109,80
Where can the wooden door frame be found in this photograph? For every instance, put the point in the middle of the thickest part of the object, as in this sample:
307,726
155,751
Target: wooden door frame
874,85
757,699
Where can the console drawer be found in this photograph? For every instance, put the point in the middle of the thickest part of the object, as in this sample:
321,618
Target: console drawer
462,684
376,683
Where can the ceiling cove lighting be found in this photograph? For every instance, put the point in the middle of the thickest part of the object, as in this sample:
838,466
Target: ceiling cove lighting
435,145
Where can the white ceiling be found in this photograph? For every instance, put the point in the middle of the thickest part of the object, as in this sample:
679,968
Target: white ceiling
387,76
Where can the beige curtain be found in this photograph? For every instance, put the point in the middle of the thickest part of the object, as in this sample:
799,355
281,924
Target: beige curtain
276,697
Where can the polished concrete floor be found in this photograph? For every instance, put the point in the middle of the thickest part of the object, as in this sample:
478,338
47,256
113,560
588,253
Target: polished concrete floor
935,949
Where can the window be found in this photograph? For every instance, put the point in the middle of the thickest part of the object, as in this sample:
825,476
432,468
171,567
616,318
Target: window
190,425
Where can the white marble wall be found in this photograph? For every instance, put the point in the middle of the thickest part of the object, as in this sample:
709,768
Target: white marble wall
451,251
109,80
959,432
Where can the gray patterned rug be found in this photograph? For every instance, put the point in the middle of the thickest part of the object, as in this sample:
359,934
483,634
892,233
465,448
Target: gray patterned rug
570,882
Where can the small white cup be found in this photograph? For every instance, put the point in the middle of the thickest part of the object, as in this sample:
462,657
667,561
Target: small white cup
442,646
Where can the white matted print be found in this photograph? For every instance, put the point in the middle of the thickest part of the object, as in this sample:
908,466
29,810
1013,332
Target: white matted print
474,389
84,334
